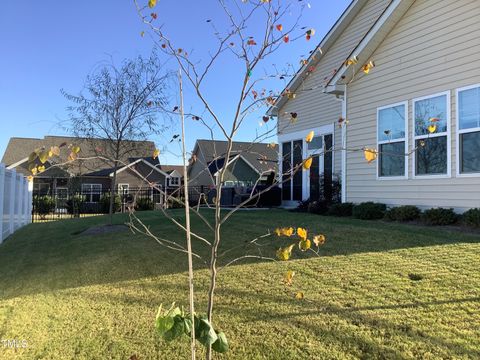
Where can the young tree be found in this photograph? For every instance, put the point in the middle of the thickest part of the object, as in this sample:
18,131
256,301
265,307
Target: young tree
118,105
255,30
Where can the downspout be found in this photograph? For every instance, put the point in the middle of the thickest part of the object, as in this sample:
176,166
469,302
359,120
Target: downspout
344,145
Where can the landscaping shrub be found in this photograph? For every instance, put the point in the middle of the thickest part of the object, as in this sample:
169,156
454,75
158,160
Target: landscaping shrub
341,209
369,211
318,207
439,216
403,213
472,217
44,205
173,203
144,204
104,203
75,204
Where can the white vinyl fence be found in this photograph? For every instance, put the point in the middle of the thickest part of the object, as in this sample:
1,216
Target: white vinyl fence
15,202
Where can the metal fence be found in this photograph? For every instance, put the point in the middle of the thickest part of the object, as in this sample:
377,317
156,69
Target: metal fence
67,204
15,202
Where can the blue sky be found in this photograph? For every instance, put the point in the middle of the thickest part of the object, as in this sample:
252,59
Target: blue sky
49,45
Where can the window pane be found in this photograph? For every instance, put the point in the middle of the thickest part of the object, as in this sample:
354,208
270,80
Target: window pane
298,176
431,108
391,123
469,108
392,159
431,159
469,152
315,144
315,179
327,168
286,167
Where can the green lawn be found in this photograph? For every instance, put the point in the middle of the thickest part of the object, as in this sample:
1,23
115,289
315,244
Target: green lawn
95,297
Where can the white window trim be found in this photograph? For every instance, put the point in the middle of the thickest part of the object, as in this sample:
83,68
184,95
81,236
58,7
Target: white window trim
405,139
172,178
90,193
447,133
464,131
120,187
300,135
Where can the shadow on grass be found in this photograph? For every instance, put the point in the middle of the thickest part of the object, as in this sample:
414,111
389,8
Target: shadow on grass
51,256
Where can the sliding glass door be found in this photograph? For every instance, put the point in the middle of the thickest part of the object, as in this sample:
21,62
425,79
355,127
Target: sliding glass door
315,183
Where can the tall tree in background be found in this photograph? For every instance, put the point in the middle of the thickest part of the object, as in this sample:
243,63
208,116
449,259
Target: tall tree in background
119,105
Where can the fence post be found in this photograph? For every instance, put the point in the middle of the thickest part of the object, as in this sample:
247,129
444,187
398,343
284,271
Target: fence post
12,202
25,201
2,191
30,202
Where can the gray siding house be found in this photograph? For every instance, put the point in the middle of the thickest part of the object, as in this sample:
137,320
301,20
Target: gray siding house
91,176
250,163
418,105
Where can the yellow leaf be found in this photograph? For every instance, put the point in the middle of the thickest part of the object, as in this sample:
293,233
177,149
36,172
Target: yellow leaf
55,150
43,156
34,171
307,163
76,149
299,295
319,240
304,245
302,233
73,156
30,178
309,137
432,128
288,279
41,168
368,67
284,254
278,231
352,61
370,155
32,156
287,231
152,3
156,153
31,166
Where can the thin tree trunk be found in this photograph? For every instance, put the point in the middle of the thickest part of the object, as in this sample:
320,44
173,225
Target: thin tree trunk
112,193
187,223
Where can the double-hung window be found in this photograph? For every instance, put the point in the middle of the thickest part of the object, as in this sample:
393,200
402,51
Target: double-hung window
431,133
392,124
92,192
468,120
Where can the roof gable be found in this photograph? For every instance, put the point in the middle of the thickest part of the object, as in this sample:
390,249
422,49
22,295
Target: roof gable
369,43
335,48
260,156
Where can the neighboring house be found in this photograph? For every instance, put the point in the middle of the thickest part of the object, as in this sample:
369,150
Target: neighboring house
425,74
175,173
249,163
93,176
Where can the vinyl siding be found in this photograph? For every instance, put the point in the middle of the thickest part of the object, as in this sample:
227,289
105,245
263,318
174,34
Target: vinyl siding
315,108
434,48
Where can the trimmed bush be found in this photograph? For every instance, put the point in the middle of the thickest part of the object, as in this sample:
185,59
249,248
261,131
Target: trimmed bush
472,217
75,204
105,203
340,210
44,205
144,204
369,211
318,207
403,213
439,216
